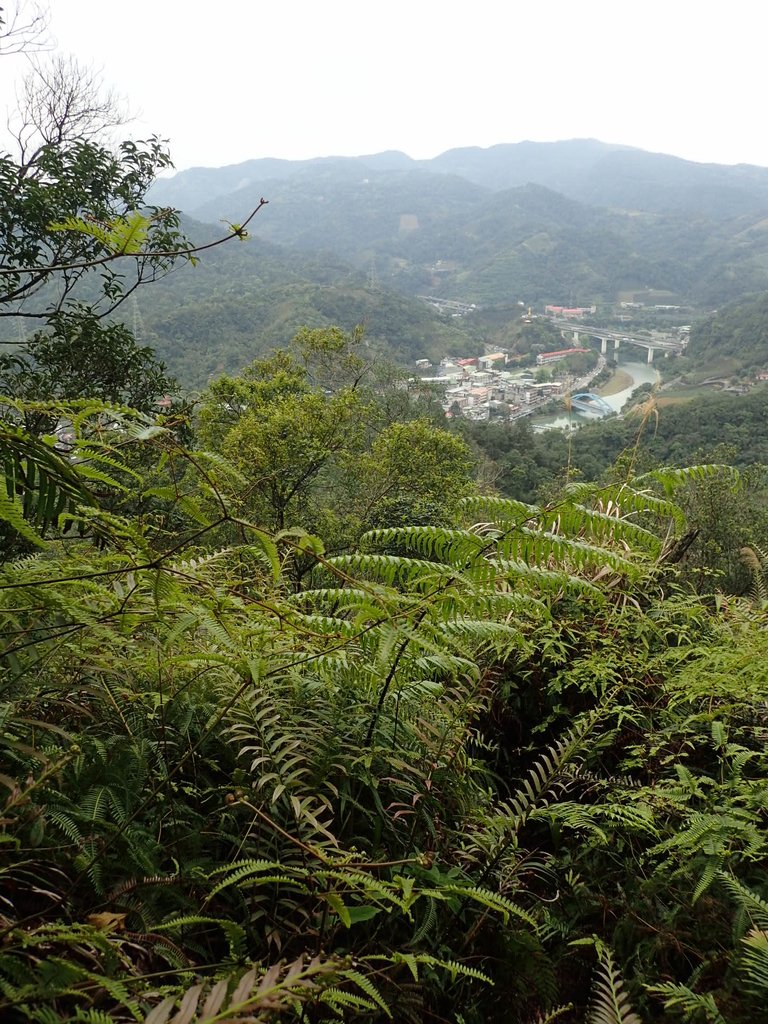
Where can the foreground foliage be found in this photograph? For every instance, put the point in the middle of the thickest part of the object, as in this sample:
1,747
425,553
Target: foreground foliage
497,769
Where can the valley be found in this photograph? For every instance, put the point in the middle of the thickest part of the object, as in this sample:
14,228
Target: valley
357,241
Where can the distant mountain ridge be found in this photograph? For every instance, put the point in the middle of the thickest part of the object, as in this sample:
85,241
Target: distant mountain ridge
587,170
353,239
190,189
575,222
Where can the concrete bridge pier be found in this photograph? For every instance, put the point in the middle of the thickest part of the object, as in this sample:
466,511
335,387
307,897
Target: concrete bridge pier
616,344
603,345
650,355
576,337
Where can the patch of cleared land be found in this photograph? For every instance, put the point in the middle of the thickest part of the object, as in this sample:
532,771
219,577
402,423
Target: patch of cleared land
620,381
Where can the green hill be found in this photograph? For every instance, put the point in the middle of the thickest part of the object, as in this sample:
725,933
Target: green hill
577,221
733,338
244,299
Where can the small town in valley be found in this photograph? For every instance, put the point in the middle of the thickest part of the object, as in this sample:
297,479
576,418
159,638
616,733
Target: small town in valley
485,387
495,386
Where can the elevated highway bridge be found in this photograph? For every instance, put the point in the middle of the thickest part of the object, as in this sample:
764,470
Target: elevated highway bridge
651,345
448,305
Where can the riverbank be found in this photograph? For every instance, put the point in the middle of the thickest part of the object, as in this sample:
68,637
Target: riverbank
619,381
615,392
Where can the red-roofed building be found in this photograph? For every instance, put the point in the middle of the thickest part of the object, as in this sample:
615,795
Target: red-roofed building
554,357
569,314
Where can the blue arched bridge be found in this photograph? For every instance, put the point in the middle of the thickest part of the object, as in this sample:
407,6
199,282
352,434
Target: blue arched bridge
585,401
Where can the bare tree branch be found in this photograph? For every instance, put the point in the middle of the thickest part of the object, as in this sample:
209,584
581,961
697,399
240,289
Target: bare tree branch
69,190
23,28
61,101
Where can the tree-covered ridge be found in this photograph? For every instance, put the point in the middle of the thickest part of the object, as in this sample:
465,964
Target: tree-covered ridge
531,460
734,338
545,247
571,222
243,301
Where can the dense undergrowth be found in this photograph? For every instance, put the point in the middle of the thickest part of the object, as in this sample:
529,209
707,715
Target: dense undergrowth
506,768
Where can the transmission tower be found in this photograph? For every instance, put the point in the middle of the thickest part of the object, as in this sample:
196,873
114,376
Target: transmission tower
373,277
139,330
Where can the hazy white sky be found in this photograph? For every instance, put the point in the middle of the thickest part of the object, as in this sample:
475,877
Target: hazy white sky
234,80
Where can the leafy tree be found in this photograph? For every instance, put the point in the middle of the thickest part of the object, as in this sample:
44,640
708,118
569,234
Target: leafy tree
315,440
281,432
414,472
62,174
283,446
81,357
331,357
728,515
77,238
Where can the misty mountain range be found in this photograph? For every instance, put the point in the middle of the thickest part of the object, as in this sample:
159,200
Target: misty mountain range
350,239
585,170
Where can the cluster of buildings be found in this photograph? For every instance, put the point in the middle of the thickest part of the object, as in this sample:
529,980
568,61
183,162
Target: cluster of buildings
485,387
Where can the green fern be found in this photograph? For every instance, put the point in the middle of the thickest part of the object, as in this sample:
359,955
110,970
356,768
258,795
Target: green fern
754,962
693,1006
610,1000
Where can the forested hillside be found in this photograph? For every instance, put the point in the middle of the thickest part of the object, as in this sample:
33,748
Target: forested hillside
426,233
630,220
734,338
691,431
248,298
316,705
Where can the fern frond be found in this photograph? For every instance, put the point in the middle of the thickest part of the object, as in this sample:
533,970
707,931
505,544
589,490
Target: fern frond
754,961
610,1000
505,511
695,1006
672,479
455,968
756,906
550,1016
433,542
280,987
235,934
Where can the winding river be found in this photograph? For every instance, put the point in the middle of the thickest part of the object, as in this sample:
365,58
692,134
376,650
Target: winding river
640,372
